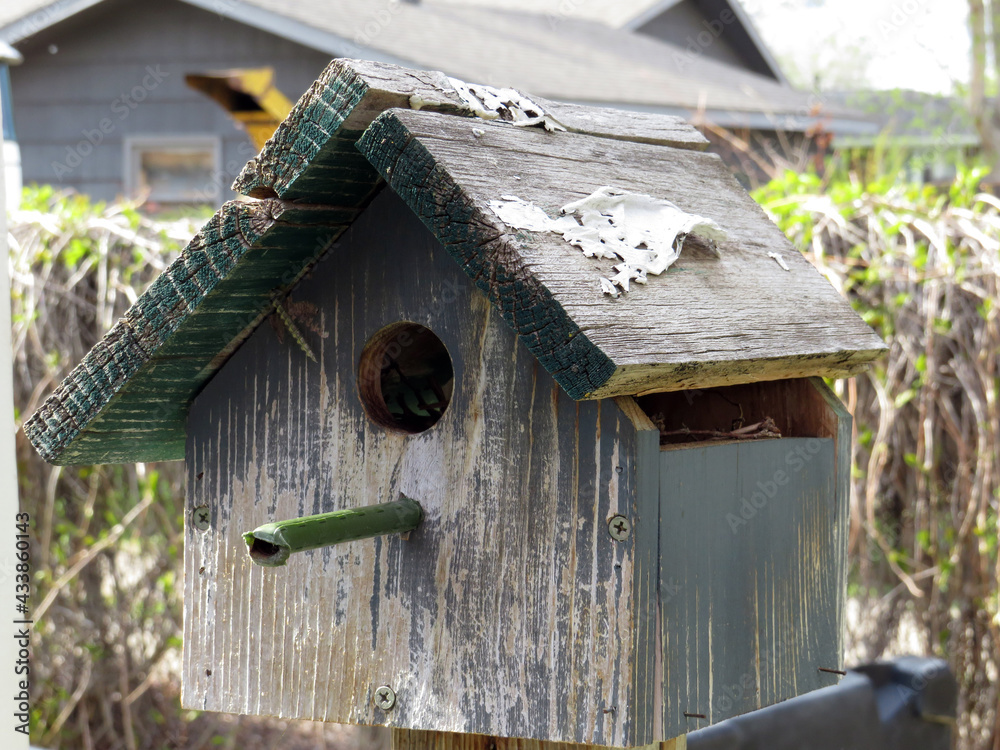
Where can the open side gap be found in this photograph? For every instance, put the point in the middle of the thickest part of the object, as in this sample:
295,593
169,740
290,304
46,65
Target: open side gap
752,411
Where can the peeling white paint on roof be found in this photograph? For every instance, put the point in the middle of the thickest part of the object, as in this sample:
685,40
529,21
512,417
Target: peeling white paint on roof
646,234
509,105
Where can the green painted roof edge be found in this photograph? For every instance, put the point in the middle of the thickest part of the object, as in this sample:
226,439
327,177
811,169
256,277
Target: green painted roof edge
319,115
195,314
484,252
342,102
178,334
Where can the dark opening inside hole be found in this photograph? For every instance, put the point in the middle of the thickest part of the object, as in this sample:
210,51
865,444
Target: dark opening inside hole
405,378
261,550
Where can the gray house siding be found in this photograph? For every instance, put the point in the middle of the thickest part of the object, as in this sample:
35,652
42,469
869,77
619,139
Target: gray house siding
707,31
116,72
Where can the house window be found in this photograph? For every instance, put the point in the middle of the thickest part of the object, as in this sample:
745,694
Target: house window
173,170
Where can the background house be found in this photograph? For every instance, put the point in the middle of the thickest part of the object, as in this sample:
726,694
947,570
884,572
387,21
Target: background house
734,39
101,105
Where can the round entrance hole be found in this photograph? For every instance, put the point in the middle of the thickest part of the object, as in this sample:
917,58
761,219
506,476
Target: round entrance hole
405,378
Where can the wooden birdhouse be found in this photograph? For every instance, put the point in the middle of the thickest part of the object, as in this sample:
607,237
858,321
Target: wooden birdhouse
562,351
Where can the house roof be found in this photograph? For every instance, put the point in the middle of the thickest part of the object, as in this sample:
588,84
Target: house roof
744,35
618,14
735,317
574,60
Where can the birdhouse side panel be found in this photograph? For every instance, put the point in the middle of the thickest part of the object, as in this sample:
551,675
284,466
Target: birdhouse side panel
510,611
752,577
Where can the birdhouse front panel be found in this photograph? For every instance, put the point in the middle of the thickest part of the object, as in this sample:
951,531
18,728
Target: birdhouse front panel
510,610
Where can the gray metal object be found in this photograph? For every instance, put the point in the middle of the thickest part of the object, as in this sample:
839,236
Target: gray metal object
907,704
201,518
385,698
619,527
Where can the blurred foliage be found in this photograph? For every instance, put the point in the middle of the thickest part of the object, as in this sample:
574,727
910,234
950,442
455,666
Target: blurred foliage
922,266
107,595
107,557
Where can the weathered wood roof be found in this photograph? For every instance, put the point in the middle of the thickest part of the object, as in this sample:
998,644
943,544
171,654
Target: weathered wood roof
710,320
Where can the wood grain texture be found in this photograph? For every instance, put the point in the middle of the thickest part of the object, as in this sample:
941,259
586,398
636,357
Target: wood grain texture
803,407
638,127
490,258
325,122
760,590
128,399
646,675
708,321
750,578
510,611
837,423
310,150
409,739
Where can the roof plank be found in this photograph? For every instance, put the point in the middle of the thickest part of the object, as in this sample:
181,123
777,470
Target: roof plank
319,134
128,399
708,321
638,127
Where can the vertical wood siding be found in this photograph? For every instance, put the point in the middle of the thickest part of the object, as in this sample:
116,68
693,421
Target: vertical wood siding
510,611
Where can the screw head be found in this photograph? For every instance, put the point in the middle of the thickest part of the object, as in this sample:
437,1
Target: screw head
385,697
201,518
619,527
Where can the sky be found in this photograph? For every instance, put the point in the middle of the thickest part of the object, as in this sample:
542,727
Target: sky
915,44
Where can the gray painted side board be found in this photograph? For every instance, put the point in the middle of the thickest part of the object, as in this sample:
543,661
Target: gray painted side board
511,611
751,582
99,71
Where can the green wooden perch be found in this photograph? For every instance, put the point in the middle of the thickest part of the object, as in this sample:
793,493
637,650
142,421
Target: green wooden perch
271,544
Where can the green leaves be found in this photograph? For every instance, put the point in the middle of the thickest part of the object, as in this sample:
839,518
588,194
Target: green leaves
919,264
